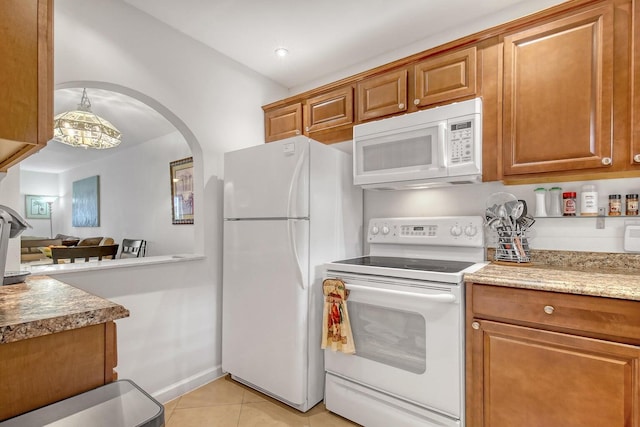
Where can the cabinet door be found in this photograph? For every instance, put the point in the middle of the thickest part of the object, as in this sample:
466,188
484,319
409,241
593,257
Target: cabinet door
558,95
283,122
445,77
382,95
26,78
329,110
635,101
39,371
533,378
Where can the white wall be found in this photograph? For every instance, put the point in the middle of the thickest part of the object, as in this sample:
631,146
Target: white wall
135,197
579,234
171,342
218,99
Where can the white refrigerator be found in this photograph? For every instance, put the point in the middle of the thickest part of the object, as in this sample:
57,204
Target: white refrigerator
289,207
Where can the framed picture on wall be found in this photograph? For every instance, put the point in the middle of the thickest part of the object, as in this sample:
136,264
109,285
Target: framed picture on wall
85,208
182,191
36,207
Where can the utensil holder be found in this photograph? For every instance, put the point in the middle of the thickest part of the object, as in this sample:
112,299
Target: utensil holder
513,246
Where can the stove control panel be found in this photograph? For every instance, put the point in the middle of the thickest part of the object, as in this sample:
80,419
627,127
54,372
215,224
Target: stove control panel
445,231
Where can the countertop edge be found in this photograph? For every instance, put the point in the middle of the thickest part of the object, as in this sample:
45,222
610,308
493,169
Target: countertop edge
29,310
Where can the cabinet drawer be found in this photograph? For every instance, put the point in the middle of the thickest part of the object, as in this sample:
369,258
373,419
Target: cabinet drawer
590,316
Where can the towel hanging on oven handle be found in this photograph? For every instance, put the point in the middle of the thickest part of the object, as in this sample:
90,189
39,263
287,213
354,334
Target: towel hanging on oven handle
336,328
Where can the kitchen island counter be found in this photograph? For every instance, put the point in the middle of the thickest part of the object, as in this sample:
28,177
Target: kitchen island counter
621,283
42,306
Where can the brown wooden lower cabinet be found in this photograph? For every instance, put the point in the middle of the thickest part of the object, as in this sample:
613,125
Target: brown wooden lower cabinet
38,371
529,376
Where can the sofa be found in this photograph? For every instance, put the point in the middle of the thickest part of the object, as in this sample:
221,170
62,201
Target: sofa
39,248
30,247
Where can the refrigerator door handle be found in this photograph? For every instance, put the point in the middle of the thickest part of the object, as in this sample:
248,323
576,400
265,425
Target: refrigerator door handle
294,249
293,185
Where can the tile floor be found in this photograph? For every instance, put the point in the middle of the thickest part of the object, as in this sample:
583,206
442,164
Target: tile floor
227,403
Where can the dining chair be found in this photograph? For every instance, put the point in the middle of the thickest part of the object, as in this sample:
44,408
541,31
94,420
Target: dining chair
132,248
86,252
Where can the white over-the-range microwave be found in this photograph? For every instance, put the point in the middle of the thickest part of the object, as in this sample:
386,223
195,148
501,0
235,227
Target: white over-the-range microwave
422,149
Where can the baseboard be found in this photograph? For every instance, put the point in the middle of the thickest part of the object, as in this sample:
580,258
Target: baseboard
191,383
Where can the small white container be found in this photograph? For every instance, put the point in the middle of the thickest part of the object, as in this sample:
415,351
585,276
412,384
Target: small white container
589,200
555,201
541,201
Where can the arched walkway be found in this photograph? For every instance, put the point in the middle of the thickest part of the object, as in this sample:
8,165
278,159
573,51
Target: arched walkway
181,127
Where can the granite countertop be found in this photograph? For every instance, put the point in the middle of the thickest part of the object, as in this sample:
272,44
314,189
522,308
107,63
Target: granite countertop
594,274
42,305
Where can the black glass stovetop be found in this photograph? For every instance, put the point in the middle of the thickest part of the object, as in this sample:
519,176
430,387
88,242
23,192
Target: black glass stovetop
436,265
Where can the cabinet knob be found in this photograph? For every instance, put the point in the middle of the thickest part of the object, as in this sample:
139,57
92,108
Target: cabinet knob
416,101
306,129
400,106
549,309
297,131
606,161
636,158
475,325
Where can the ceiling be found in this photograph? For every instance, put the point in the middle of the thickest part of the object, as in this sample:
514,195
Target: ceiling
323,38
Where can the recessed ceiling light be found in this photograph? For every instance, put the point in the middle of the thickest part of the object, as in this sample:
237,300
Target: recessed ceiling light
281,52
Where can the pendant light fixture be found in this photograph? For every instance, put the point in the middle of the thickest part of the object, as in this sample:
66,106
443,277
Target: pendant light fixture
82,128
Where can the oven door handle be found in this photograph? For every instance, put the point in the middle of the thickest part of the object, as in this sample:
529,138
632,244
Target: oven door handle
444,298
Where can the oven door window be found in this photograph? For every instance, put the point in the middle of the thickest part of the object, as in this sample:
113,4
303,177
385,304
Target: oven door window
389,336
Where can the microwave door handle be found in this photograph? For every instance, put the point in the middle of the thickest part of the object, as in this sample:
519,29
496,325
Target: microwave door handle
444,298
442,142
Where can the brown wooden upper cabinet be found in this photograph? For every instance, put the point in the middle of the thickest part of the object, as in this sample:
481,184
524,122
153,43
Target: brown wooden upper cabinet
26,78
445,77
635,105
382,95
558,94
283,122
328,110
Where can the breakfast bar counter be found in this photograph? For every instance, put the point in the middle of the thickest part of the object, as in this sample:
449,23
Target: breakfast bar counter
56,341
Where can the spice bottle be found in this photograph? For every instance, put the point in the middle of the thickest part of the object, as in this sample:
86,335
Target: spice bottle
569,203
632,204
615,205
589,200
555,194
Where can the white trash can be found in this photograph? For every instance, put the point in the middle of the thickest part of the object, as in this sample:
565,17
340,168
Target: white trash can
118,404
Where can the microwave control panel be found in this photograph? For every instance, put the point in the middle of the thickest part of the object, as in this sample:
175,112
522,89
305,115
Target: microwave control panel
461,142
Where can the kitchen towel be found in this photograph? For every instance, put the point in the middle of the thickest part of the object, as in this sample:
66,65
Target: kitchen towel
336,328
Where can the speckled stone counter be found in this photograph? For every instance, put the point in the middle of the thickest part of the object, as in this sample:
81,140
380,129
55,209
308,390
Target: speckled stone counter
43,306
583,273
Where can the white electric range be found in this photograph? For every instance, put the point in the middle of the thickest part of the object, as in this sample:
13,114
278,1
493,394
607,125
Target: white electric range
406,308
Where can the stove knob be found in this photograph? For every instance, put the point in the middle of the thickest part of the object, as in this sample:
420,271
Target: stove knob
470,230
385,230
456,230
375,230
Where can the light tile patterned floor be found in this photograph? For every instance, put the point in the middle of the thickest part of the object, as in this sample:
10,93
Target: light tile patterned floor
227,403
